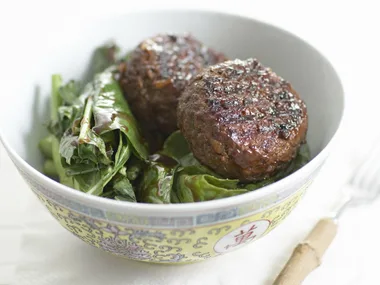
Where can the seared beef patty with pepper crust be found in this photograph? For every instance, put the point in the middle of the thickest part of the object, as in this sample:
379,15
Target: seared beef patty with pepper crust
242,120
157,72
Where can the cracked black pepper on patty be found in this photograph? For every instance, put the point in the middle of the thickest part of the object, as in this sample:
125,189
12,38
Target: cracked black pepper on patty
242,120
157,72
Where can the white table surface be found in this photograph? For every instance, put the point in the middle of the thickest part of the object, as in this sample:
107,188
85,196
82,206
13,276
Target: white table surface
346,33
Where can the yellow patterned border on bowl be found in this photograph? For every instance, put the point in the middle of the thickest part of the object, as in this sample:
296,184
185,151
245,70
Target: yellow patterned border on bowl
172,245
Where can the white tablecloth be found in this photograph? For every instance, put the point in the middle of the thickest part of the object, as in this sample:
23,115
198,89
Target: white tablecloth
34,249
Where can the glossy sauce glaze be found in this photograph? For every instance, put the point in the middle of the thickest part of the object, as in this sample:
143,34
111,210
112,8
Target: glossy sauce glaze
157,72
242,120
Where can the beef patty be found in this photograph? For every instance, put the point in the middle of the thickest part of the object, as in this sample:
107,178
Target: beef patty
157,72
242,120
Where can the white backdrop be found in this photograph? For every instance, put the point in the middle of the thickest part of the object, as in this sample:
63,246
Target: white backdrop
34,249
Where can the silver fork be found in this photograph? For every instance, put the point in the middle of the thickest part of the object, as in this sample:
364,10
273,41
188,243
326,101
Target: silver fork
363,188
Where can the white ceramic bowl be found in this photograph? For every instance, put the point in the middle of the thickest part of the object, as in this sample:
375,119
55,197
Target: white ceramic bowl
178,232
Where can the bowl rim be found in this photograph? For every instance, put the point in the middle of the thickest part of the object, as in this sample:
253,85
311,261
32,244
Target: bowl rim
196,207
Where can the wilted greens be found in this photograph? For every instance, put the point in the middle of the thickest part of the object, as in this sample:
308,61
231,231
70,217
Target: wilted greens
96,146
93,136
194,182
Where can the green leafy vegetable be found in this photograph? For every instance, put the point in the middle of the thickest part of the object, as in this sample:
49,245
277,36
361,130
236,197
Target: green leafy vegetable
156,184
93,135
104,57
49,168
94,182
69,93
204,187
68,146
124,190
134,168
176,146
111,112
45,145
55,101
101,157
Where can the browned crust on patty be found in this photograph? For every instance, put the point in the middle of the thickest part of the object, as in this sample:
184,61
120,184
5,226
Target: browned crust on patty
242,120
157,72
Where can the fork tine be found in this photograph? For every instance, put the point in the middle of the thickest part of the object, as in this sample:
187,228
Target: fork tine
372,178
377,186
369,176
368,169
372,145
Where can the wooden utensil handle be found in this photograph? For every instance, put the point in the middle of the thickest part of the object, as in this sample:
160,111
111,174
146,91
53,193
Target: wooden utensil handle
307,255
